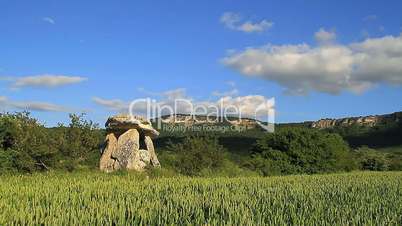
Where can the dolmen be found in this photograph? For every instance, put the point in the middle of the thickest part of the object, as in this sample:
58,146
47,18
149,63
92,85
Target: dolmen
128,144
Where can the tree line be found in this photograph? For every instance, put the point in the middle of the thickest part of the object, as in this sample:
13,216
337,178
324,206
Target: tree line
28,146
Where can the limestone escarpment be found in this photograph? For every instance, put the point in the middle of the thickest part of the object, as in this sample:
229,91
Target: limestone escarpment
369,121
191,120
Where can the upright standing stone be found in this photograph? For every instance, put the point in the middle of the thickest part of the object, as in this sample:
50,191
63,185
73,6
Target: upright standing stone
128,145
152,155
107,163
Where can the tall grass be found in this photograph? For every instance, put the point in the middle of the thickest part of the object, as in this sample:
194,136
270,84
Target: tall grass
126,199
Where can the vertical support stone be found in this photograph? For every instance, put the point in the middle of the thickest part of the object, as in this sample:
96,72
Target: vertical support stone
106,162
150,147
126,152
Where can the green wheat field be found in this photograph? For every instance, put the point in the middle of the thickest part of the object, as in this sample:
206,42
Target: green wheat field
361,198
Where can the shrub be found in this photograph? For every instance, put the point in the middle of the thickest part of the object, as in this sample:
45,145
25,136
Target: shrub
300,150
370,159
196,154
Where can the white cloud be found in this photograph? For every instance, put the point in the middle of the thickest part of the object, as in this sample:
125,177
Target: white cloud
234,21
175,94
112,104
49,20
246,104
38,106
332,69
230,19
31,105
325,37
118,105
261,26
48,81
3,99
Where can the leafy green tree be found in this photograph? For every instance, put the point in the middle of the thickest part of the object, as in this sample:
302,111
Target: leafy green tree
79,141
24,143
300,150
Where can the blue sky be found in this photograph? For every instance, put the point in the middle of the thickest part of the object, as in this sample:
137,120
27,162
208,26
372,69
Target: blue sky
318,59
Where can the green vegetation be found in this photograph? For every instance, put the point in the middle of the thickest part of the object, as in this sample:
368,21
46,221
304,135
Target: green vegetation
369,198
381,142
195,155
370,159
383,135
28,146
301,150
232,192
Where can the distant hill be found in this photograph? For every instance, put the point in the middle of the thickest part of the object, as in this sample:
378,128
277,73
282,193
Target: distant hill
366,121
371,121
192,120
379,131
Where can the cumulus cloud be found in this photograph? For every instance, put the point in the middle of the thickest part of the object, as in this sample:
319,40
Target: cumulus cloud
49,20
250,105
323,36
47,81
181,103
31,105
332,69
234,21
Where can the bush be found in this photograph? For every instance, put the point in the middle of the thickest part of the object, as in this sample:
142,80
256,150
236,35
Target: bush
300,150
370,159
197,154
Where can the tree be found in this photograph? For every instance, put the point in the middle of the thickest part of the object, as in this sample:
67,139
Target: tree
24,143
80,139
300,150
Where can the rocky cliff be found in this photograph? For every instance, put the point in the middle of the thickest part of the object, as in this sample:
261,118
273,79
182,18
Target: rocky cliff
369,121
190,120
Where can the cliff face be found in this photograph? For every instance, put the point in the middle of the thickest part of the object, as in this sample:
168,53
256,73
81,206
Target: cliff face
189,120
368,121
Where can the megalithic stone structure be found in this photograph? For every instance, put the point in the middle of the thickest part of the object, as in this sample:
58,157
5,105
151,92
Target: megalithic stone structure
123,150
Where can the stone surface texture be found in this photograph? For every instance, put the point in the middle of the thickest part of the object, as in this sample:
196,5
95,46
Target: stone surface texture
122,144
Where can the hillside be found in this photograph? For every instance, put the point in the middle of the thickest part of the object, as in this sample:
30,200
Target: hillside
192,120
366,121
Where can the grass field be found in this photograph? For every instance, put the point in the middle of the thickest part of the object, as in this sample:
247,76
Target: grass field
361,198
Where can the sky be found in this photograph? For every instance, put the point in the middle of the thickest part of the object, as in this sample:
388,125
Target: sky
318,59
